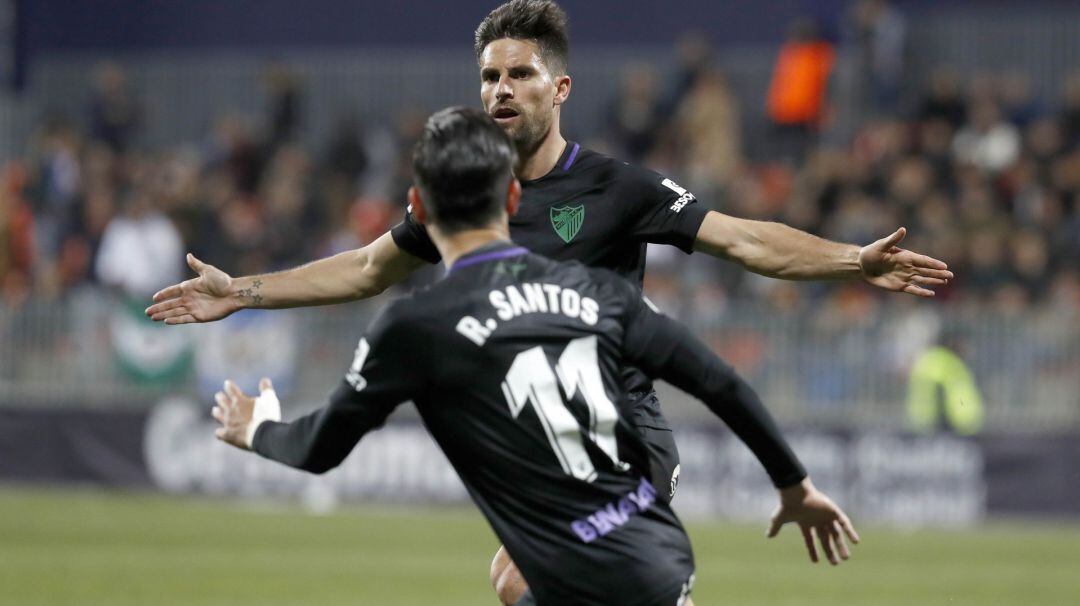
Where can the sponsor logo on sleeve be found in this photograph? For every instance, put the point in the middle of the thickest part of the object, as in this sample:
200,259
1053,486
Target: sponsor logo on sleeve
353,376
685,197
674,484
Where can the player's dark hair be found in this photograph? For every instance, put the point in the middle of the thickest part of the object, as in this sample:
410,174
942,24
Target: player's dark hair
540,21
463,164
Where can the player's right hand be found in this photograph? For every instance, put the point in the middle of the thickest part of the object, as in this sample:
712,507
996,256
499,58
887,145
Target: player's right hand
816,514
201,299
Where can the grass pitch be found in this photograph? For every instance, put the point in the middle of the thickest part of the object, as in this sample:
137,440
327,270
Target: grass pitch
84,548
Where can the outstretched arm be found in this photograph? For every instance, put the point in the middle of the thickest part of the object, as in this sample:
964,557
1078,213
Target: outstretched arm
380,378
779,251
666,349
348,276
317,442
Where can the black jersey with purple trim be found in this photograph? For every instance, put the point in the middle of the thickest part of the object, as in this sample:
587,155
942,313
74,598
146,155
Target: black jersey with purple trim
594,209
514,363
590,208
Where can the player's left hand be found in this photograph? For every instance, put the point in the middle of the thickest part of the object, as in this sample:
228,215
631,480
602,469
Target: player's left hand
887,266
240,414
816,514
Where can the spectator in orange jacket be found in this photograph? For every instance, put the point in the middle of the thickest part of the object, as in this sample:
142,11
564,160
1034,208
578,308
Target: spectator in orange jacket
796,103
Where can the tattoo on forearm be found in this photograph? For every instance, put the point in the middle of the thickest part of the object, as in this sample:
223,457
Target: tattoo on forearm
252,293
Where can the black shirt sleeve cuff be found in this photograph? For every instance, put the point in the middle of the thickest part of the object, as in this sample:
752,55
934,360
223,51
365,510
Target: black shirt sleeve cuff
412,238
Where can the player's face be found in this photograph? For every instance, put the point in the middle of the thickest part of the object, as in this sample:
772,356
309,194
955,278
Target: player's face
518,90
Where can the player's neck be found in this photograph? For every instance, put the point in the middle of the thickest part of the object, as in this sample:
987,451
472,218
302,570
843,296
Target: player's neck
537,162
454,246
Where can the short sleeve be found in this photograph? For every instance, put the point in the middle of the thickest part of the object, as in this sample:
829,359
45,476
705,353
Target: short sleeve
663,211
412,237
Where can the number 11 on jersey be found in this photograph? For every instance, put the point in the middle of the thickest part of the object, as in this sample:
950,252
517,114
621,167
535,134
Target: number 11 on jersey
530,379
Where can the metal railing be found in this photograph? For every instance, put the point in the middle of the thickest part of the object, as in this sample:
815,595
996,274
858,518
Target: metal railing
824,367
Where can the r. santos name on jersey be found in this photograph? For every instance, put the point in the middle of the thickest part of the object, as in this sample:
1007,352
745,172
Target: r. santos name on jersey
511,302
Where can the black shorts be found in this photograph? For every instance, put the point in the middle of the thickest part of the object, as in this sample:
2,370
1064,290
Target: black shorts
655,431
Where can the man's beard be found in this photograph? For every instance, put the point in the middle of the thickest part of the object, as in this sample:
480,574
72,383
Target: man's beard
528,136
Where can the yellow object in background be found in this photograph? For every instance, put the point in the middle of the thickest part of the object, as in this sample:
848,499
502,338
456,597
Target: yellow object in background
942,391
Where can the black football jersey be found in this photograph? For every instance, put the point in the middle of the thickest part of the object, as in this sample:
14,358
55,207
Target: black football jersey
594,209
514,363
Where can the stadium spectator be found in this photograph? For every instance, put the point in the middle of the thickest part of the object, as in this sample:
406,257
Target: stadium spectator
16,237
797,98
140,249
115,115
233,147
942,393
944,98
634,115
283,108
879,33
58,181
345,158
694,55
1070,112
988,141
707,126
285,203
1029,260
1018,100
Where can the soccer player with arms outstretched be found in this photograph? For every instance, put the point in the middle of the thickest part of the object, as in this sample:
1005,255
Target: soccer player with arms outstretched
515,363
576,205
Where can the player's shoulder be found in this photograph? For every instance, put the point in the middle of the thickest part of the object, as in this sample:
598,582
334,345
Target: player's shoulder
394,314
592,160
408,316
423,301
456,293
631,180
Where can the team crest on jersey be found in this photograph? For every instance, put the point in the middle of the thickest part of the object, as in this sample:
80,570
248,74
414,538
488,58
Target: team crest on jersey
567,221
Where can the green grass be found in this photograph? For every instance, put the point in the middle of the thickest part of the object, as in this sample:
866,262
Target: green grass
84,548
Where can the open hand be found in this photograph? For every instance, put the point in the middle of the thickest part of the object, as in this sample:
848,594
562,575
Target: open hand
201,299
241,414
234,411
887,266
816,514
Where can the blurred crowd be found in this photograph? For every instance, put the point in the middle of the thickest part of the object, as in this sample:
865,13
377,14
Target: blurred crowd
983,173
982,169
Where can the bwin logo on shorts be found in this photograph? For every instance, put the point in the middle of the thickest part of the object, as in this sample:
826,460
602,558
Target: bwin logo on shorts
674,480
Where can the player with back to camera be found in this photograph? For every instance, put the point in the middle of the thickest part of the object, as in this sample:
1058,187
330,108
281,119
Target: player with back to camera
576,205
515,363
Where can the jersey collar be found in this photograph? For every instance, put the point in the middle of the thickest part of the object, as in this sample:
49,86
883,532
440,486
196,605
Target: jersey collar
488,252
566,160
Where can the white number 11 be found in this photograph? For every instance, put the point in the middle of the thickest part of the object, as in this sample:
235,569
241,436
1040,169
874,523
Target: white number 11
530,379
